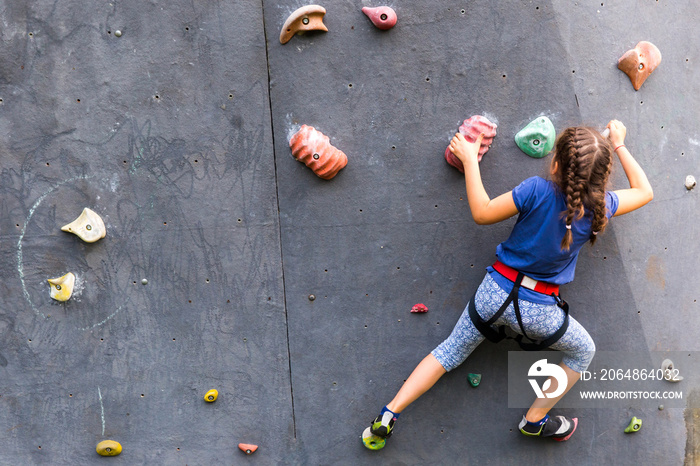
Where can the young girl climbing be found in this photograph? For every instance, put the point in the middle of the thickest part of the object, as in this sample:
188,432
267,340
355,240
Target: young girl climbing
555,219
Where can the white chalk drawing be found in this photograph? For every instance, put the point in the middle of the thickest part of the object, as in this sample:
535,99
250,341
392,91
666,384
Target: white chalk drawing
20,263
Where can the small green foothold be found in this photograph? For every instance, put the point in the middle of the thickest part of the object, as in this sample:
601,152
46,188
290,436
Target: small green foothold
144,282
537,138
118,33
635,425
474,379
661,407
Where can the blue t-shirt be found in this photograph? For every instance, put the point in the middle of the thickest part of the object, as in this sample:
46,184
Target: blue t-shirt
534,245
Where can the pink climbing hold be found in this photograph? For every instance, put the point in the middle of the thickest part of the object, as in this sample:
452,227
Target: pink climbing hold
383,17
419,308
471,128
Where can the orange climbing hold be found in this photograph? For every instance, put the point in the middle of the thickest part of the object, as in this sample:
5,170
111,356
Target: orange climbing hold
248,448
638,63
314,149
306,18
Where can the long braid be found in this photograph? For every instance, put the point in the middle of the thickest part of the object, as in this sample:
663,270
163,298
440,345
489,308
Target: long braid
584,159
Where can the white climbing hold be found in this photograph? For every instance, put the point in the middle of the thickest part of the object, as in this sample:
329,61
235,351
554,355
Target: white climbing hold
690,182
62,287
88,226
670,372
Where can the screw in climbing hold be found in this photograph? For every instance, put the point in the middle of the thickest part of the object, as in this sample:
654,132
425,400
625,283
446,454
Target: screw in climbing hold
211,395
383,17
247,448
474,379
62,287
419,308
108,448
316,156
88,226
634,425
305,20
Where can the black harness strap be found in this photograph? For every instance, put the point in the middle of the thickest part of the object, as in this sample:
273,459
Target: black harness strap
499,333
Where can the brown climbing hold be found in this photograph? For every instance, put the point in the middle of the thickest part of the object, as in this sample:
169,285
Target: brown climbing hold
306,18
638,63
248,448
383,17
314,149
470,129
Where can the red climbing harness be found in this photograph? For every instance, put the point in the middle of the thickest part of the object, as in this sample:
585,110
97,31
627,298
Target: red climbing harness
496,334
511,274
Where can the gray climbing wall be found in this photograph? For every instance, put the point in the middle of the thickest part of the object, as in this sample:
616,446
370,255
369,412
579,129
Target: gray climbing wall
176,133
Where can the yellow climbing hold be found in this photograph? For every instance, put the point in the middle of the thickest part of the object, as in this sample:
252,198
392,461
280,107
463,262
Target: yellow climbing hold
211,395
88,226
62,287
108,448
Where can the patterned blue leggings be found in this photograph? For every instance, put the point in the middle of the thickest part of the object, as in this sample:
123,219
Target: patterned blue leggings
540,321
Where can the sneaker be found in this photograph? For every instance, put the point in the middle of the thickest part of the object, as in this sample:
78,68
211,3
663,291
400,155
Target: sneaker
383,425
560,428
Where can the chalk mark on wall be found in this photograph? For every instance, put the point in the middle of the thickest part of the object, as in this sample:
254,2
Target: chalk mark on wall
102,410
20,262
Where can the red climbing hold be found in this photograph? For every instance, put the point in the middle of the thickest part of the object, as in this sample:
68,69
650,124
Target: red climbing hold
471,128
314,149
248,448
419,308
383,17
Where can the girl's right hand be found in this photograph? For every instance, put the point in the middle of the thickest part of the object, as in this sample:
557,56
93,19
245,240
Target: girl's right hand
617,132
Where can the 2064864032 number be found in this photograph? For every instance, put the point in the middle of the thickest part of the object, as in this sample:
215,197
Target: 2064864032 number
670,375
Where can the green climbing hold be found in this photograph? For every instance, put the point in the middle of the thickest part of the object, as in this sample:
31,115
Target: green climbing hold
474,379
635,425
537,138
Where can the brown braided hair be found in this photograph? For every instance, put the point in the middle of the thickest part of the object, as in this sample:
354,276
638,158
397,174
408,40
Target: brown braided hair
584,160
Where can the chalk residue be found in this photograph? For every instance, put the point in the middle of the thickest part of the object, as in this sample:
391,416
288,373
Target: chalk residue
102,409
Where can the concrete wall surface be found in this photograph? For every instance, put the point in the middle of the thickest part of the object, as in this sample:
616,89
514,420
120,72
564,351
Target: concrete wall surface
172,121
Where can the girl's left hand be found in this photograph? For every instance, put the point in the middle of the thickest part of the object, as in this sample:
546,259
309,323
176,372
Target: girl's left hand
464,150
